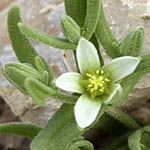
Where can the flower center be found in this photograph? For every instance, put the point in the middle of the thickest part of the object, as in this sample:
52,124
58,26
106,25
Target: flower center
97,83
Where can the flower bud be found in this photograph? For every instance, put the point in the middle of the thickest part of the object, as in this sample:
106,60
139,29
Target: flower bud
16,73
70,29
133,43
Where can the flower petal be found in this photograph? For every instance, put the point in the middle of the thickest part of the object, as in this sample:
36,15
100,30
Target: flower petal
87,56
114,96
121,67
86,110
70,82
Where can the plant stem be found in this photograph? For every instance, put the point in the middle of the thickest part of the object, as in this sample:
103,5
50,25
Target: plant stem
122,117
75,56
71,99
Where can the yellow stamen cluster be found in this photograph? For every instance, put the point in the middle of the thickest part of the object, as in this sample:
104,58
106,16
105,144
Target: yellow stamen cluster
98,82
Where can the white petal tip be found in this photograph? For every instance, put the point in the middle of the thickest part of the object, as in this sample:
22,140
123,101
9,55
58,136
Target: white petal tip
86,111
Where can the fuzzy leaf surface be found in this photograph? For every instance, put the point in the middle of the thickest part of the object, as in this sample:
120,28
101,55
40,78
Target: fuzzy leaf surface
139,140
21,45
133,43
106,36
16,73
77,10
92,17
22,129
70,28
60,132
45,38
39,91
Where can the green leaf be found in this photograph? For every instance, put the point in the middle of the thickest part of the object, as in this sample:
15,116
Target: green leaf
106,36
16,73
133,43
77,10
22,47
23,129
45,78
45,38
60,132
134,140
70,29
92,17
39,64
45,65
139,140
81,145
122,117
38,91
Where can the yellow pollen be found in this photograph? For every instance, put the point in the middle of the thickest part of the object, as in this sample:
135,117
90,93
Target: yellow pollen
107,80
100,78
90,85
101,90
91,90
97,71
102,71
93,77
89,75
101,84
97,83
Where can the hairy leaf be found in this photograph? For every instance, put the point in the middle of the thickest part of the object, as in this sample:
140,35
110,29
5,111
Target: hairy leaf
133,43
39,64
92,17
60,132
22,47
16,73
139,140
106,36
81,145
77,10
47,69
23,129
45,38
122,117
70,29
38,91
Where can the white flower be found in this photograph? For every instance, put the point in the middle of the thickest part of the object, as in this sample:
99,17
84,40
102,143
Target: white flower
97,84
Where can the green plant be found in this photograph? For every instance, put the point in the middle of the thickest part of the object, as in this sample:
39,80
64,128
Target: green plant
104,87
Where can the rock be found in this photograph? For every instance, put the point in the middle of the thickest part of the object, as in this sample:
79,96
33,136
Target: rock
13,141
45,16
